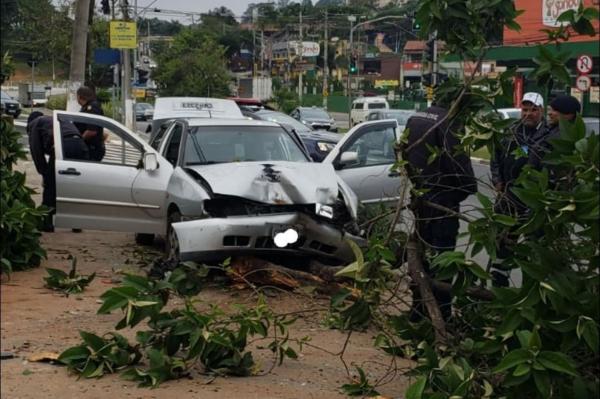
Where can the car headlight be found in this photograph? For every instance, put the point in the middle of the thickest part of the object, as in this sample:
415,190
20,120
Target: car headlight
325,147
324,210
303,121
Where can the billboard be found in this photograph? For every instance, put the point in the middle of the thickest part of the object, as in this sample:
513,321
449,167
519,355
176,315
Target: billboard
543,14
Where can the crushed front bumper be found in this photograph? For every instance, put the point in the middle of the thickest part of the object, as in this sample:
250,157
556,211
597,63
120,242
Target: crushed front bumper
218,238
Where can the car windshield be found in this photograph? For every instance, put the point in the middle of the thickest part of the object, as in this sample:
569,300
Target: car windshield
400,116
5,96
514,114
143,106
314,113
222,144
283,119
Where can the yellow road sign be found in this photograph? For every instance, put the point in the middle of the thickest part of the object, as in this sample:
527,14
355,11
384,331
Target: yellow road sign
138,93
325,92
123,34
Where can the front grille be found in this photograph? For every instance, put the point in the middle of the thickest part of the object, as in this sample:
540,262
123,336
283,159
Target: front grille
322,247
236,241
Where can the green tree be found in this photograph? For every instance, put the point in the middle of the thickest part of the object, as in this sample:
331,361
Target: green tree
194,65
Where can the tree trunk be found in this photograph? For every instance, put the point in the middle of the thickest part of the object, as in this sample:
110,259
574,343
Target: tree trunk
78,52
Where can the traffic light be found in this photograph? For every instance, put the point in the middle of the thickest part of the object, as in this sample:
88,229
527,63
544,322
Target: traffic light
105,7
416,26
353,68
430,50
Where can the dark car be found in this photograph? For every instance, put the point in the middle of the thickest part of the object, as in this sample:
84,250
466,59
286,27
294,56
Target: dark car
318,142
315,118
143,111
10,106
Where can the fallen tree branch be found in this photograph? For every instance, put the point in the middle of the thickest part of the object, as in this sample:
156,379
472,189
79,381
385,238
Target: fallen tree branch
420,278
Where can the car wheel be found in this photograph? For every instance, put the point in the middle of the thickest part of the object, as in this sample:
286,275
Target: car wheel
144,239
172,244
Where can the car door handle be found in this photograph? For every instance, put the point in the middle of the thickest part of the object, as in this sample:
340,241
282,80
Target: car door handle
394,174
69,171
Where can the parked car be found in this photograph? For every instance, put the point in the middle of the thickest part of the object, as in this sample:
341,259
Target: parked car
510,113
10,106
250,104
363,105
317,142
315,118
219,187
143,111
401,115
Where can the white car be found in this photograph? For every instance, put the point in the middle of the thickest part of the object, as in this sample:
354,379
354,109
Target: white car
363,105
217,187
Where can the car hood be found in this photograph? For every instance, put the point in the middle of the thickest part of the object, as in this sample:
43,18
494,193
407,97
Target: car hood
321,135
274,182
319,121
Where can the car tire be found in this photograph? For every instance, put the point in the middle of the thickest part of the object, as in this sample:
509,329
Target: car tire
144,239
171,242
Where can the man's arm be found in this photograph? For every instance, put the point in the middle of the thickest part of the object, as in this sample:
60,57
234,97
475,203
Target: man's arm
496,169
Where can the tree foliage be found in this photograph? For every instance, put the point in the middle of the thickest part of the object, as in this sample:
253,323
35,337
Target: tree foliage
193,66
19,217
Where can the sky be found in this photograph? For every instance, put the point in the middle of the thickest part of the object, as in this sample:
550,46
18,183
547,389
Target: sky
196,6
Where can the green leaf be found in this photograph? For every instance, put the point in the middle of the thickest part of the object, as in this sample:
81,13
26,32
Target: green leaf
542,383
74,353
558,362
94,341
512,359
522,369
415,391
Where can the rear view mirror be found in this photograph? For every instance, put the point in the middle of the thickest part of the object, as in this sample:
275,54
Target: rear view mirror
150,162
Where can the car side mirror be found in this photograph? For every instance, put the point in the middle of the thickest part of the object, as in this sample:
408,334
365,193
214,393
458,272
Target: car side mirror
148,128
150,162
348,157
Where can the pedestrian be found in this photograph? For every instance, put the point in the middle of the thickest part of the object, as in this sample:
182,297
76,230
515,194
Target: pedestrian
446,179
521,147
562,107
41,146
92,134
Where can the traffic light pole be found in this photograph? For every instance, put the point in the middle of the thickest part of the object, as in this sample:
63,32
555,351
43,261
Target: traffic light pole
351,18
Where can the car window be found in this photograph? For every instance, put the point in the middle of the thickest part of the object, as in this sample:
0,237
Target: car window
5,96
357,106
171,149
375,146
373,116
400,116
121,149
218,144
316,113
376,105
284,119
155,142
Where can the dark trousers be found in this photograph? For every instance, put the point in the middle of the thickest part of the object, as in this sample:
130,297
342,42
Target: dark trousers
438,231
49,196
97,152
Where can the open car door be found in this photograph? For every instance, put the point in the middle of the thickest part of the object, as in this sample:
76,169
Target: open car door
125,191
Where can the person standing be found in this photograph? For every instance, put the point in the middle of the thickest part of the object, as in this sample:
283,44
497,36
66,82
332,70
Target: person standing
519,148
41,144
562,107
92,134
446,181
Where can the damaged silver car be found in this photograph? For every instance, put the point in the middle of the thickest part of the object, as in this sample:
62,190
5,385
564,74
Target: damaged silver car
214,187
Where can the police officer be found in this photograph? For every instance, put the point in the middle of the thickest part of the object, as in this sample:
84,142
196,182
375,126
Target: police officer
41,144
521,147
92,134
447,181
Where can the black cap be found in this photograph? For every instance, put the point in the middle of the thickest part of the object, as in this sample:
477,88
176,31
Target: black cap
566,104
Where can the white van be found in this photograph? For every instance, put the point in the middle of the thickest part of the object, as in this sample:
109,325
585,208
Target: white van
363,105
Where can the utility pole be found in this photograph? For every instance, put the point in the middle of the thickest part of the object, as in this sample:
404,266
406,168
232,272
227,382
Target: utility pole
78,52
351,18
135,50
126,78
325,65
301,72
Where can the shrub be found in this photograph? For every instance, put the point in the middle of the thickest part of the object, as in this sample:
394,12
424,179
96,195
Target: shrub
19,219
58,102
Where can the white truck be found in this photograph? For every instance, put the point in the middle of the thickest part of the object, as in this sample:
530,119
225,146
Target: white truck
35,97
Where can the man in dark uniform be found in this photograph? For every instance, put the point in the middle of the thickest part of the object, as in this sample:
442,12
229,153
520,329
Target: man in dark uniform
92,134
518,149
448,180
41,143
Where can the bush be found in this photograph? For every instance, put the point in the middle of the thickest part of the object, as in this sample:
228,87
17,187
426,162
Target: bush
58,102
19,220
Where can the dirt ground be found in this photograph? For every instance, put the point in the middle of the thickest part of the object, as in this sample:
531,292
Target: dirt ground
35,319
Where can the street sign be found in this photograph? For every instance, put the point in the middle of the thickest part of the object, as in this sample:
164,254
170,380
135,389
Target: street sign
584,64
583,82
595,94
123,34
